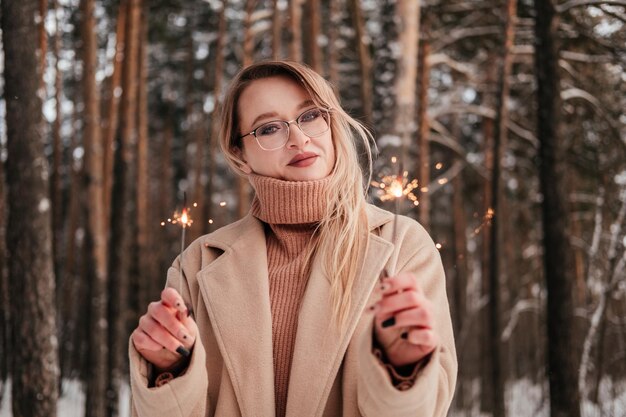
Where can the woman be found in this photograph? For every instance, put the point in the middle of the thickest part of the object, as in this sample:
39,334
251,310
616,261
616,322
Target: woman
290,315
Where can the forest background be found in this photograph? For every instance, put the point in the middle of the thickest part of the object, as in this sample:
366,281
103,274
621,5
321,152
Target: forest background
510,115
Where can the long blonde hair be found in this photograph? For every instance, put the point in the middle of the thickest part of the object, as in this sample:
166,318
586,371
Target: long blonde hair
342,233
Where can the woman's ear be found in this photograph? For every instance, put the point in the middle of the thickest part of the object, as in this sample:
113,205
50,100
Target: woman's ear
243,165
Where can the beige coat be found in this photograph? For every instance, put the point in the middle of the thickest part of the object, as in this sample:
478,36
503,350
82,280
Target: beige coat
333,373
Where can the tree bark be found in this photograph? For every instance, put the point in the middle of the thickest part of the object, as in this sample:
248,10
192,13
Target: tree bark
276,29
365,61
314,48
214,126
295,30
561,363
498,380
333,37
96,225
43,42
424,130
123,210
112,117
34,355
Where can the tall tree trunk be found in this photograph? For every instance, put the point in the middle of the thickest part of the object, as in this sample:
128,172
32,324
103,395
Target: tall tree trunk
314,47
112,117
5,318
485,356
561,363
500,131
424,129
333,50
365,60
214,126
276,29
243,187
43,41
123,210
56,191
145,257
96,226
34,359
295,30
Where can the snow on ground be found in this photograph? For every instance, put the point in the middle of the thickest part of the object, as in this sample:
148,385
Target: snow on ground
523,399
72,401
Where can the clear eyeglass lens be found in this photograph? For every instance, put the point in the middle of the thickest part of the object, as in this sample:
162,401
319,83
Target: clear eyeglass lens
274,135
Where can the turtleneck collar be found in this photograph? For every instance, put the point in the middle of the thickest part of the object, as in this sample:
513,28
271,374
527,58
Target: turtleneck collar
289,202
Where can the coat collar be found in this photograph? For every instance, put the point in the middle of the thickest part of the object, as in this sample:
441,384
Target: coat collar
236,289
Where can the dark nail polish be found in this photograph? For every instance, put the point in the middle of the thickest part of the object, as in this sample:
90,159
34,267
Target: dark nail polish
405,335
389,322
183,351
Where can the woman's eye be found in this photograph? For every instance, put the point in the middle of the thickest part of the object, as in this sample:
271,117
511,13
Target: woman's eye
310,115
268,129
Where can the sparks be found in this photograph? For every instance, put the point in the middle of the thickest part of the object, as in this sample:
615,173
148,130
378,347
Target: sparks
486,220
396,186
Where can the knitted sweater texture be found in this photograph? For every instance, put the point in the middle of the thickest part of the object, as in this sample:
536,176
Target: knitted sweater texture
291,210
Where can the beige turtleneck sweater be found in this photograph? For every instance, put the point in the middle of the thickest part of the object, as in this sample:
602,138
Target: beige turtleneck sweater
290,210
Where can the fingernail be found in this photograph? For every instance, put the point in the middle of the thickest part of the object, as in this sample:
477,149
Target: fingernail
183,351
389,322
405,335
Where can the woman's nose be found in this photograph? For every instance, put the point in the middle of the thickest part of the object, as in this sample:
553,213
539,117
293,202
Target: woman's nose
297,139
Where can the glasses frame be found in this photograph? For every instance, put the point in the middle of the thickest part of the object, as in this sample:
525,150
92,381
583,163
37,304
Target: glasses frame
288,123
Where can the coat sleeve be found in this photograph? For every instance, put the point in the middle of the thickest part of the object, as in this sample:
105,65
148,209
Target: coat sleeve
185,395
431,394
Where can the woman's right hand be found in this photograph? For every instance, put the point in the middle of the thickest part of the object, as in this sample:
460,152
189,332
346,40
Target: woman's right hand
166,333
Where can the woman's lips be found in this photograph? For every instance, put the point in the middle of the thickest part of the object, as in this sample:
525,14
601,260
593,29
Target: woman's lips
303,160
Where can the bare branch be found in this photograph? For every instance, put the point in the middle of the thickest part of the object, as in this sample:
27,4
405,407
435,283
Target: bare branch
572,93
523,133
462,33
577,3
580,57
443,59
484,111
520,307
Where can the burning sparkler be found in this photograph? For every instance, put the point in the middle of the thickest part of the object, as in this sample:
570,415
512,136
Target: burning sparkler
183,219
486,220
395,187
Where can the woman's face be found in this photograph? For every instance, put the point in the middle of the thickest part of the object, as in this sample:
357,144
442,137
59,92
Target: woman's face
302,158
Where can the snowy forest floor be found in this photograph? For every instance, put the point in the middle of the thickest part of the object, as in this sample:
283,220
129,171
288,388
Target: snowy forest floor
523,398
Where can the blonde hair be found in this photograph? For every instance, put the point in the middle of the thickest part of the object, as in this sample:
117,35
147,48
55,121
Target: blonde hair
343,232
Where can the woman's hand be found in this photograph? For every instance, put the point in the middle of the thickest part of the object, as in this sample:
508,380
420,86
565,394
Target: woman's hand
403,320
167,332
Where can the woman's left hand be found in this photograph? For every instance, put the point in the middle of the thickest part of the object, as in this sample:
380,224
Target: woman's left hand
403,320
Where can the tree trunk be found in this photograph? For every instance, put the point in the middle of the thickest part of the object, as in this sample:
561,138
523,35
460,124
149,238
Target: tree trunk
112,116
561,363
499,135
214,126
123,210
43,42
145,257
56,191
34,358
314,48
333,37
276,29
365,60
424,129
5,318
243,186
96,225
295,30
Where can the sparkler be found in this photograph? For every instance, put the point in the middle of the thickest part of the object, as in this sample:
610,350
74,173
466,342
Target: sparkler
395,187
184,220
486,220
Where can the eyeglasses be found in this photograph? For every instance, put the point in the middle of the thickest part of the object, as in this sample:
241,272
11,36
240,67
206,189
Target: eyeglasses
275,134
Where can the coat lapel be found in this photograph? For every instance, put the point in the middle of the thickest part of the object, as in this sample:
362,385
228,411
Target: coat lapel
236,289
319,348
